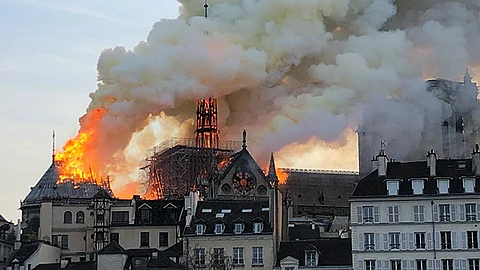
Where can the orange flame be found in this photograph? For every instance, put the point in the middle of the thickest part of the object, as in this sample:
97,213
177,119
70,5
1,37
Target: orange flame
73,162
282,176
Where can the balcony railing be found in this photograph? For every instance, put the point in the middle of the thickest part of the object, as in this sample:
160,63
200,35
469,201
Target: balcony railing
369,246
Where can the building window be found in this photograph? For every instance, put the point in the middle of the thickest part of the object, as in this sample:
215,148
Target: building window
115,237
447,264
417,186
370,265
80,217
238,228
393,214
419,213
368,214
420,240
396,265
392,188
289,268
144,239
446,240
369,241
238,256
120,217
257,227
99,237
163,239
219,228
421,265
469,185
218,256
199,254
145,216
472,239
100,218
473,264
443,185
311,258
394,240
200,229
444,212
471,211
64,241
67,217
55,240
257,255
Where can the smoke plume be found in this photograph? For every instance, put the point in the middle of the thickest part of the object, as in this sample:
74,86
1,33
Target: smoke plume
290,72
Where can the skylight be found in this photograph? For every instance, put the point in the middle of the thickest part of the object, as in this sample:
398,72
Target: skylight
249,210
206,210
265,209
220,215
226,211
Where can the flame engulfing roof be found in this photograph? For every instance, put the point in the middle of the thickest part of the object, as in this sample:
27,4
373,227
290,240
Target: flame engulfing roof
48,188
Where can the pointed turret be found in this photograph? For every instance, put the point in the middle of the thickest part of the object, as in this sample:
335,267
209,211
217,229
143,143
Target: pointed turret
272,172
467,78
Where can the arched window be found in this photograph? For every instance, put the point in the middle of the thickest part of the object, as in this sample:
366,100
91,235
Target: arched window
67,217
80,217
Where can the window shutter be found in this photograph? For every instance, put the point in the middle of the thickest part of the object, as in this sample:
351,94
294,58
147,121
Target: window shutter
360,264
385,241
437,240
429,241
453,210
421,213
404,264
412,265
410,241
435,212
464,240
378,265
430,264
403,244
438,264
361,246
456,264
386,264
478,211
464,264
377,242
415,213
359,215
397,217
376,214
462,212
454,240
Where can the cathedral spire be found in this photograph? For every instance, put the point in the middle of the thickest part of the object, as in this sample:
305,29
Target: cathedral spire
53,146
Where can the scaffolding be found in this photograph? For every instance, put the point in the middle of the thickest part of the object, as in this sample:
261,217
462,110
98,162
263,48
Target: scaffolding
175,167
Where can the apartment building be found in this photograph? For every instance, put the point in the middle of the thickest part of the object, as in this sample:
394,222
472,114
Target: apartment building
421,215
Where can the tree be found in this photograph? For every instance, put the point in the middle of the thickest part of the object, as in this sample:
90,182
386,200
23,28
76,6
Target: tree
211,259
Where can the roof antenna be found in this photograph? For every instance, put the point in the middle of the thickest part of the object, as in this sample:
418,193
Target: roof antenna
206,8
53,146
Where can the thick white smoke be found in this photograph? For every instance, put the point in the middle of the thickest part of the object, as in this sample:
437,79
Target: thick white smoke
287,71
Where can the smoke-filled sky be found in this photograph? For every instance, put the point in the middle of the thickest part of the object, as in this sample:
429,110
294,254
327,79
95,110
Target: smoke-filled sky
48,55
296,74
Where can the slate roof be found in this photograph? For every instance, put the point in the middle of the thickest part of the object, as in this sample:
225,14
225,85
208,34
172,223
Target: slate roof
70,266
113,248
162,262
374,185
333,252
229,219
303,232
24,252
174,250
316,187
163,212
47,188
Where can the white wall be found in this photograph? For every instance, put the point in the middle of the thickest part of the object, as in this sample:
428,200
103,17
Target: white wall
43,255
111,261
129,237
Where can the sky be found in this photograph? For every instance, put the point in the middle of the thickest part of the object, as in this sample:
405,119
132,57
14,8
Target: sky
48,55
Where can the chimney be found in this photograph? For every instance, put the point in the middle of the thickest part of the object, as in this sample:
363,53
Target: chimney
476,161
432,162
374,163
382,160
63,264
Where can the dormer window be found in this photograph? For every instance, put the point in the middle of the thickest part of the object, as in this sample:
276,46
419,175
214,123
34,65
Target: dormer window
145,215
392,187
417,186
469,185
443,185
257,227
219,228
311,258
200,229
238,228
